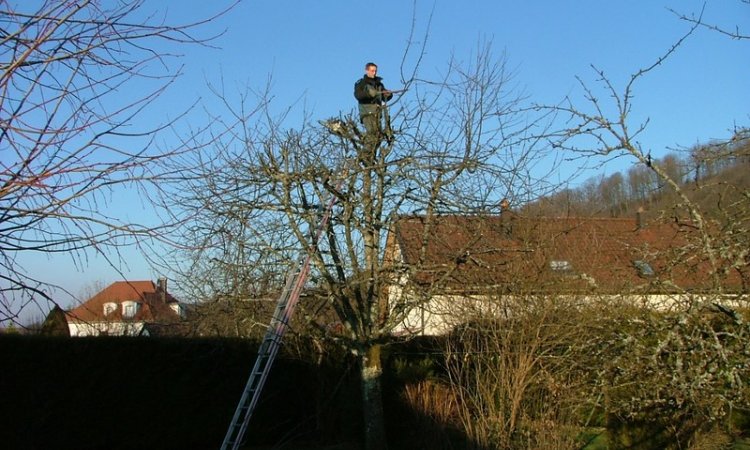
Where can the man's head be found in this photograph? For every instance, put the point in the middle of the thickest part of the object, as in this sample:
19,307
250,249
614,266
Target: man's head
371,69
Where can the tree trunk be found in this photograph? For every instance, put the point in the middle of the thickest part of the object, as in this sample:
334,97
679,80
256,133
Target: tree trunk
372,399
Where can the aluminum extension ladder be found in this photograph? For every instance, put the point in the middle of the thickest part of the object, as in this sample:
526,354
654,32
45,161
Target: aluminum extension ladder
271,342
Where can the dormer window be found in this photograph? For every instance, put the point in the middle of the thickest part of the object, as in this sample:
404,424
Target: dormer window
560,266
129,309
177,308
644,269
109,308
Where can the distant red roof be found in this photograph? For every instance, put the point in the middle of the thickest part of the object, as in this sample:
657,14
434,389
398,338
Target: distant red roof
152,305
514,253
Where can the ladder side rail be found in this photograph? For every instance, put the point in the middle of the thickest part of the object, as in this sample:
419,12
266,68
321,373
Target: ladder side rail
254,400
250,386
278,335
280,323
305,269
294,296
274,335
277,328
301,278
250,395
283,300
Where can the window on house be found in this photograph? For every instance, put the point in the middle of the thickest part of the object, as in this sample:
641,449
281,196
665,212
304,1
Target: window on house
129,309
644,269
560,265
177,308
109,308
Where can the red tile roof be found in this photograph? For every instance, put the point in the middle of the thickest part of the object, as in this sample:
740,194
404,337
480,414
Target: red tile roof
516,253
152,307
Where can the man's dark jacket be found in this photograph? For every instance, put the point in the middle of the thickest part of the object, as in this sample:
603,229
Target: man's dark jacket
370,94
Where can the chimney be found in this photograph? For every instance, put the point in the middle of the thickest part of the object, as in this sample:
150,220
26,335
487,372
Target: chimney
639,220
161,288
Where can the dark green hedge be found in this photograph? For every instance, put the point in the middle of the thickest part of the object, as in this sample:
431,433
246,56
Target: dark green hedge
131,393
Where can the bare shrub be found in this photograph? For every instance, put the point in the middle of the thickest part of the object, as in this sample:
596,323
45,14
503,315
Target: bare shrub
683,372
432,399
436,406
516,378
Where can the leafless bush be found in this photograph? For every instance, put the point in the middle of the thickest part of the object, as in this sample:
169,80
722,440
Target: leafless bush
436,406
554,367
516,376
683,372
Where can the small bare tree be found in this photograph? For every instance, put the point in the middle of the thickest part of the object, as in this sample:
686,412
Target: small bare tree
517,378
68,71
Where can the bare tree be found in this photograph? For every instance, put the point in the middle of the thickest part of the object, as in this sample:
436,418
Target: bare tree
614,194
641,184
458,146
716,250
617,136
66,129
674,167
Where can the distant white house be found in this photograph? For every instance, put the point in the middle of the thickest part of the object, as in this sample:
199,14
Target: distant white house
126,308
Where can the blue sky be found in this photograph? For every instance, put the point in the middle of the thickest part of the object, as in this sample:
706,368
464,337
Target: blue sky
313,51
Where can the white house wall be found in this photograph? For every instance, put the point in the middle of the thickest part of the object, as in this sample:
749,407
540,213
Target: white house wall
78,329
443,313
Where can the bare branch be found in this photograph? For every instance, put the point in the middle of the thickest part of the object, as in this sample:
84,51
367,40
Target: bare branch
66,129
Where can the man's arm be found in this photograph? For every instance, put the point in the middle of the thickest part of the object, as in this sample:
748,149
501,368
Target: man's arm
363,91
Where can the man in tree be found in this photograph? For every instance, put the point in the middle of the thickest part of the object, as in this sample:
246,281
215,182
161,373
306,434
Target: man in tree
372,96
